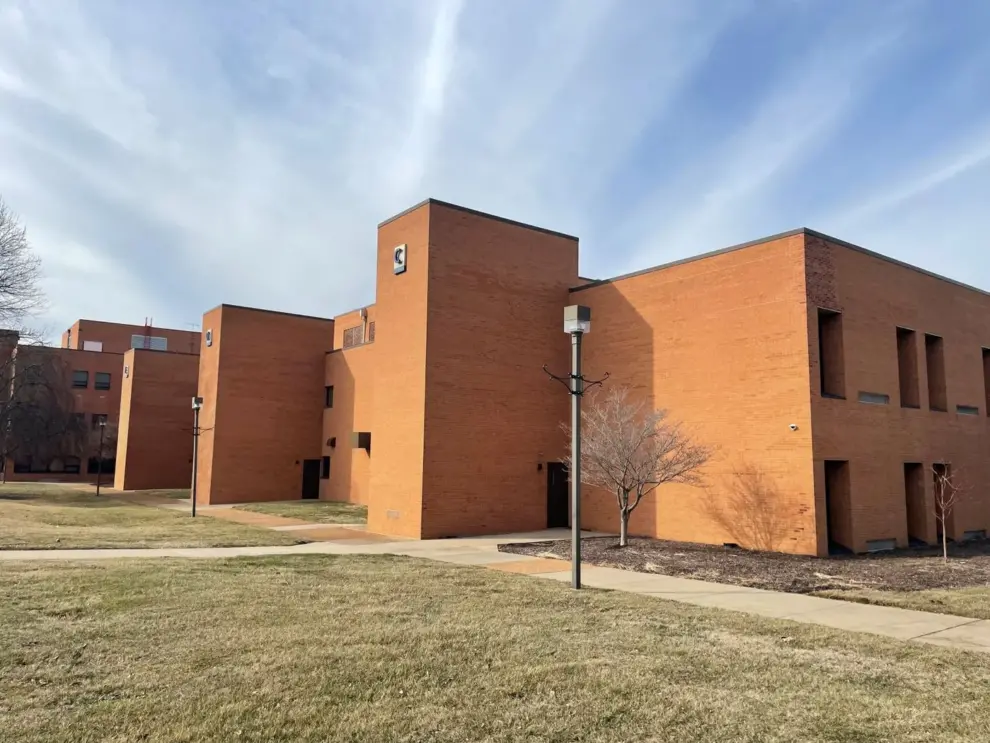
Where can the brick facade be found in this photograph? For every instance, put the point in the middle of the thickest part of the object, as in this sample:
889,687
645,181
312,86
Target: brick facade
262,382
117,337
154,444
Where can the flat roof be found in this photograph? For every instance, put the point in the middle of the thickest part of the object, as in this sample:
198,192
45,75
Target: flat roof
270,312
130,325
475,212
790,233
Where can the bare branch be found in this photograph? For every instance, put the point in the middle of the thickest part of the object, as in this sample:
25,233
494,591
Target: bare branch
21,296
632,450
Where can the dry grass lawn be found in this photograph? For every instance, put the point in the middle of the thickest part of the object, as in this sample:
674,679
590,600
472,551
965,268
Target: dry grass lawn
381,648
315,511
963,602
34,516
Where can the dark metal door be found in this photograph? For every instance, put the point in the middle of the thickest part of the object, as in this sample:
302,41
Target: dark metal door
558,486
311,479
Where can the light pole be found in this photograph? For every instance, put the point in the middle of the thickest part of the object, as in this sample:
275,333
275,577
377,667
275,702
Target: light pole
197,404
99,455
577,322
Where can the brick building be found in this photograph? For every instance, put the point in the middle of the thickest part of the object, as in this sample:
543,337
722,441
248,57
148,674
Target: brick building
834,378
84,379
834,375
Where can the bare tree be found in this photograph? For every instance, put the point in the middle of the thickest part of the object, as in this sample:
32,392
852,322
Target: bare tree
751,509
21,295
948,492
37,417
632,450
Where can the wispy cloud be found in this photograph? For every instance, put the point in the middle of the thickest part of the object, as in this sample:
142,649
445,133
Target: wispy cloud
169,156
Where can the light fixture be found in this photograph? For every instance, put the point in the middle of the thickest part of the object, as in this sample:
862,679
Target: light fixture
197,403
577,319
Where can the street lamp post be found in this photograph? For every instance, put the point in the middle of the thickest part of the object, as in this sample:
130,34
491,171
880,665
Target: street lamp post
197,404
577,322
99,455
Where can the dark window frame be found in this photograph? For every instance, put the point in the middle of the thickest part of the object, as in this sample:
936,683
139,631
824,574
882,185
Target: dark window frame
80,379
328,397
325,468
103,386
831,363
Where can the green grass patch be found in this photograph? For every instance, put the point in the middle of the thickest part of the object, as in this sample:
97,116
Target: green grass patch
380,648
963,602
315,511
34,516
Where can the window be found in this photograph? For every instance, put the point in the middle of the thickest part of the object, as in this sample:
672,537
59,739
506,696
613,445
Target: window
102,381
874,398
986,378
354,336
967,410
80,379
830,361
907,367
79,420
371,332
838,506
325,468
942,481
328,396
92,346
98,418
935,361
149,342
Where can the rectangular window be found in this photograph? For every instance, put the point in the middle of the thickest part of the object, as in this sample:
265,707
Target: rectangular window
149,342
371,332
986,378
838,506
935,362
92,346
101,381
907,367
325,468
944,513
80,379
830,360
354,336
874,398
328,396
967,410
98,418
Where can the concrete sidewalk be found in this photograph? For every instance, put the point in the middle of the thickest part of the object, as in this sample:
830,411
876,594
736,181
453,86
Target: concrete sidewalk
902,624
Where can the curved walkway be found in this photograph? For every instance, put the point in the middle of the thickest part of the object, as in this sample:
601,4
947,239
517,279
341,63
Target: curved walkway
938,629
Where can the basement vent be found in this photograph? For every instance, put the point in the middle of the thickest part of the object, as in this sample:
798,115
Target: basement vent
967,410
974,534
874,398
881,545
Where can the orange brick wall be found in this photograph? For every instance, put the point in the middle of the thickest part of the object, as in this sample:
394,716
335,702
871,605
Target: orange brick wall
400,377
264,402
721,343
154,444
352,373
875,297
497,291
353,319
116,337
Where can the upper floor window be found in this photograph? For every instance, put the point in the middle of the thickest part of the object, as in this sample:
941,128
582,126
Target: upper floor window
80,379
328,396
150,342
354,336
102,381
371,332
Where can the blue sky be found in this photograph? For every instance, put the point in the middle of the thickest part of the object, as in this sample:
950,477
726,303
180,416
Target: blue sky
167,156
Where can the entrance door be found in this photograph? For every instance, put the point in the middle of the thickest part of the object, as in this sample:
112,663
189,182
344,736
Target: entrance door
311,479
558,487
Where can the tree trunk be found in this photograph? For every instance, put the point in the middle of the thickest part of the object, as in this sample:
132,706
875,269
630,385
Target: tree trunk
623,528
945,545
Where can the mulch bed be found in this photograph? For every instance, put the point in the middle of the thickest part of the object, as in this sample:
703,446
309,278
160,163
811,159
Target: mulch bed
900,570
